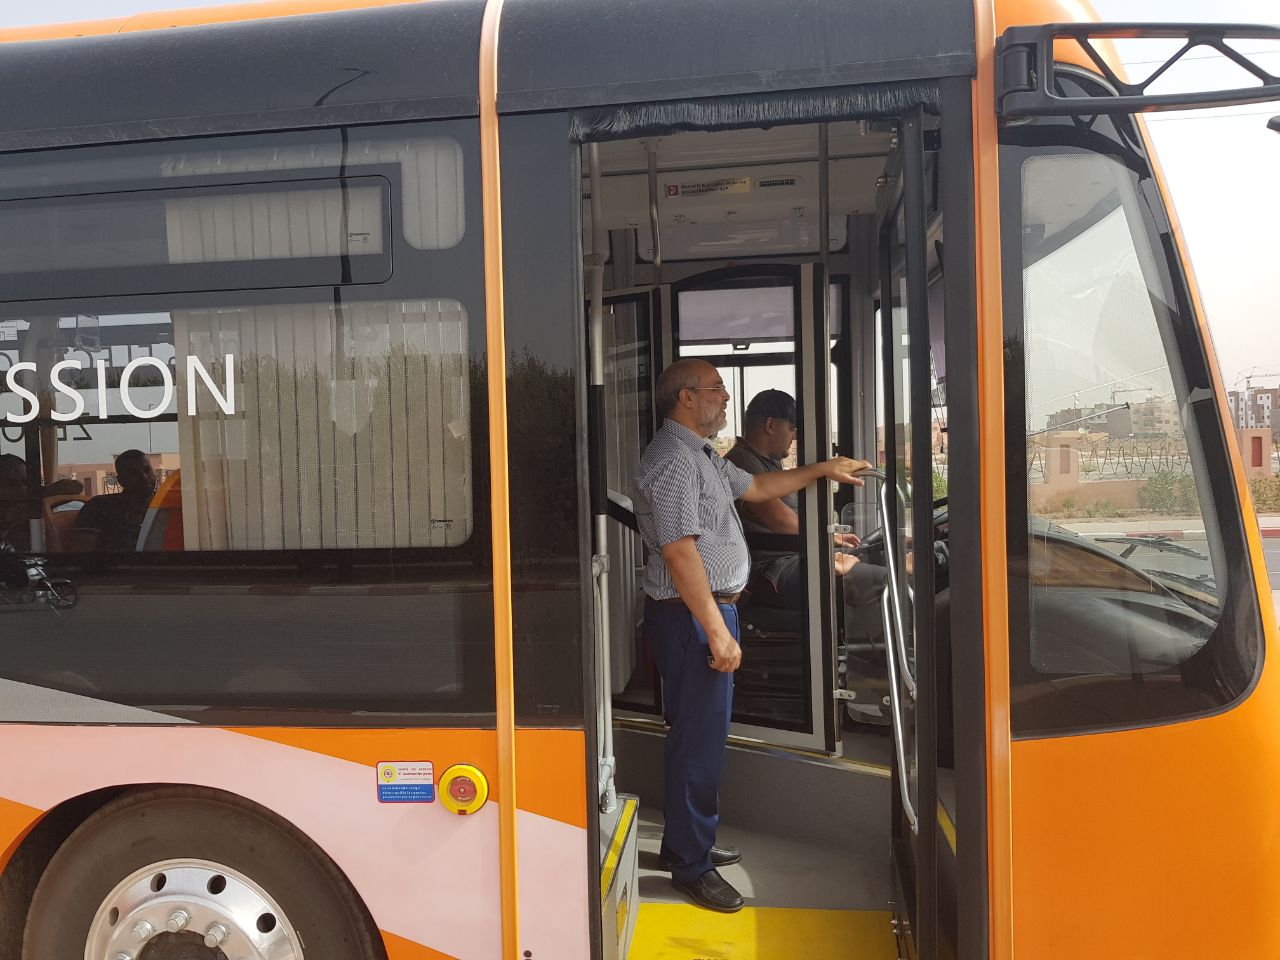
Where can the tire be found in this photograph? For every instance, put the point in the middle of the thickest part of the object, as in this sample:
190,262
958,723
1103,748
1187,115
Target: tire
194,833
62,594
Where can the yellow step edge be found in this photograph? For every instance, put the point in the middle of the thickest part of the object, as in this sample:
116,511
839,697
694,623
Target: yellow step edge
677,931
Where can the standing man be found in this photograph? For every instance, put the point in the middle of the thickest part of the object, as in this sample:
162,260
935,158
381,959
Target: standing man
698,564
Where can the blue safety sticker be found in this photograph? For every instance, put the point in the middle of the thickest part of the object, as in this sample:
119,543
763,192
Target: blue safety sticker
406,781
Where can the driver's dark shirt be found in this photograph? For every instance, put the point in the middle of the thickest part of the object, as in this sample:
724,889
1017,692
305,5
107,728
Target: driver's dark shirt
117,517
748,458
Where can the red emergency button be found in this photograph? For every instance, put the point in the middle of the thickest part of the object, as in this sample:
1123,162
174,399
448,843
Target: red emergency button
463,790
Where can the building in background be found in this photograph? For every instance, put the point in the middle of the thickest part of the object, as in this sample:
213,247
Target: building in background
1251,409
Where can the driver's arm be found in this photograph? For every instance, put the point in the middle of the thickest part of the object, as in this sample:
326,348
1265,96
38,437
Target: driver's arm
779,483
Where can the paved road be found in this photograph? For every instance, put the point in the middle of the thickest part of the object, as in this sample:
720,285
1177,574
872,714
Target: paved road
1271,547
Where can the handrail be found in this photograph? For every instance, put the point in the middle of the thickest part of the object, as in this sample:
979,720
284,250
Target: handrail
607,794
899,644
904,784
894,652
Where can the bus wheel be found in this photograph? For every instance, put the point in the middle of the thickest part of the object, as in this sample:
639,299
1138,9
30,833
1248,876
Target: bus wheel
189,874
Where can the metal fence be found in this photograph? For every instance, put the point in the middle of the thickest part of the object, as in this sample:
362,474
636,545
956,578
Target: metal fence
1108,458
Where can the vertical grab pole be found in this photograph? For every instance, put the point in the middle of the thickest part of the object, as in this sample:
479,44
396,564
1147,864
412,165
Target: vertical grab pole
594,269
500,505
824,200
991,480
651,154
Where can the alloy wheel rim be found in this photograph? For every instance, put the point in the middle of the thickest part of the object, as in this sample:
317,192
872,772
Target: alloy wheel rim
190,908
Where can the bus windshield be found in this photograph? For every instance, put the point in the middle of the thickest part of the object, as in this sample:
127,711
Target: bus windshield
1107,455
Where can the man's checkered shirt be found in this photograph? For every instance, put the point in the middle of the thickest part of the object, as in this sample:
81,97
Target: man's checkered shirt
684,488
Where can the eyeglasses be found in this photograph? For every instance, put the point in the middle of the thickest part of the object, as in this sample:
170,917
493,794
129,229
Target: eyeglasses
719,389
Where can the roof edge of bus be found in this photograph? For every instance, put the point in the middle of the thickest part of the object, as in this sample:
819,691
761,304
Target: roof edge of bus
188,17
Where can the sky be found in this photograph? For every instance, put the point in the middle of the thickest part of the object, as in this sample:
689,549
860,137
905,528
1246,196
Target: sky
1221,167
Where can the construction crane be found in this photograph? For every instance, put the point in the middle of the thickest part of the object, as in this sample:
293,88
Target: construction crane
1257,373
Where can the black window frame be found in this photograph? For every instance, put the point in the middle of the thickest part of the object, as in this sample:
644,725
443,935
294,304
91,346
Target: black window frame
211,275
453,273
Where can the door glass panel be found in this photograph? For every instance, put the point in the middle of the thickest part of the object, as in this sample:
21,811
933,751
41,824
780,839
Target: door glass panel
628,419
749,333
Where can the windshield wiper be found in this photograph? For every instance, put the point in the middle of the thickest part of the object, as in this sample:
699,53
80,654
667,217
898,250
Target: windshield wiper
1156,542
1203,582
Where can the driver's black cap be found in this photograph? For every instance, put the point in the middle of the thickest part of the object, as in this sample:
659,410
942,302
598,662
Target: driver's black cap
773,403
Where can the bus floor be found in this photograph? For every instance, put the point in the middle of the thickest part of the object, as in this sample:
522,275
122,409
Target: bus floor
803,900
815,872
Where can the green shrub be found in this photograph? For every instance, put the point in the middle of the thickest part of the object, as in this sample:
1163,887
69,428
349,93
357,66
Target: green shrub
1169,492
1266,493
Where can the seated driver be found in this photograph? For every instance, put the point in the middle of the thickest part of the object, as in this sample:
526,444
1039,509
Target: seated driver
768,431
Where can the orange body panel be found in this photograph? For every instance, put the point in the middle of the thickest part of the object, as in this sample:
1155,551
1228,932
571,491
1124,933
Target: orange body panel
324,783
1145,844
399,948
16,821
551,777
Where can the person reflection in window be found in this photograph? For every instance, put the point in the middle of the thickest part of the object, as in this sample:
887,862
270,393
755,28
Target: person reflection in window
18,504
116,518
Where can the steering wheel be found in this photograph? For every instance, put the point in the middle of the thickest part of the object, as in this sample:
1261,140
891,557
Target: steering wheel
875,539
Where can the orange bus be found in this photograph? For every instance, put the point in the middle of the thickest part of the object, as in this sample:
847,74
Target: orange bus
329,334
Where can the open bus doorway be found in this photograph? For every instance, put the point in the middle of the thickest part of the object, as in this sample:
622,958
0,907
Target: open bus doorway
762,252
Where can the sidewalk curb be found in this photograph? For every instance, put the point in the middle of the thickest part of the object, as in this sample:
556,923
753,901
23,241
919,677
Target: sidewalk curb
1266,532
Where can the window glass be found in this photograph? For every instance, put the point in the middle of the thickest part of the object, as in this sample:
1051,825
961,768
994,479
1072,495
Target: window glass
276,221
550,531
302,426
628,404
270,501
628,417
743,320
1122,571
431,169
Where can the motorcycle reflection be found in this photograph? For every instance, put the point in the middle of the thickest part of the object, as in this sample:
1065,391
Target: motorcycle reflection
24,580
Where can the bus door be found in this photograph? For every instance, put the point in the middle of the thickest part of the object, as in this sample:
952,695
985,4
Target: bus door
767,327
912,520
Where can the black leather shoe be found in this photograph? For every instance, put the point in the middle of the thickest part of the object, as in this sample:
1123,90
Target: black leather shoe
720,857
712,891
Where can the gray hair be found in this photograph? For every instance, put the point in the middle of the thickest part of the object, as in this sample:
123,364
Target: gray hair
681,375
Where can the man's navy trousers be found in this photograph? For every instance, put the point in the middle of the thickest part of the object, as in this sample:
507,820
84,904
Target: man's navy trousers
697,701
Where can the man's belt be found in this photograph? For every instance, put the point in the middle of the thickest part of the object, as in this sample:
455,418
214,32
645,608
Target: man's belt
729,599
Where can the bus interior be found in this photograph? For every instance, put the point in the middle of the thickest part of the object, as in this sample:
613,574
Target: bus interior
762,251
